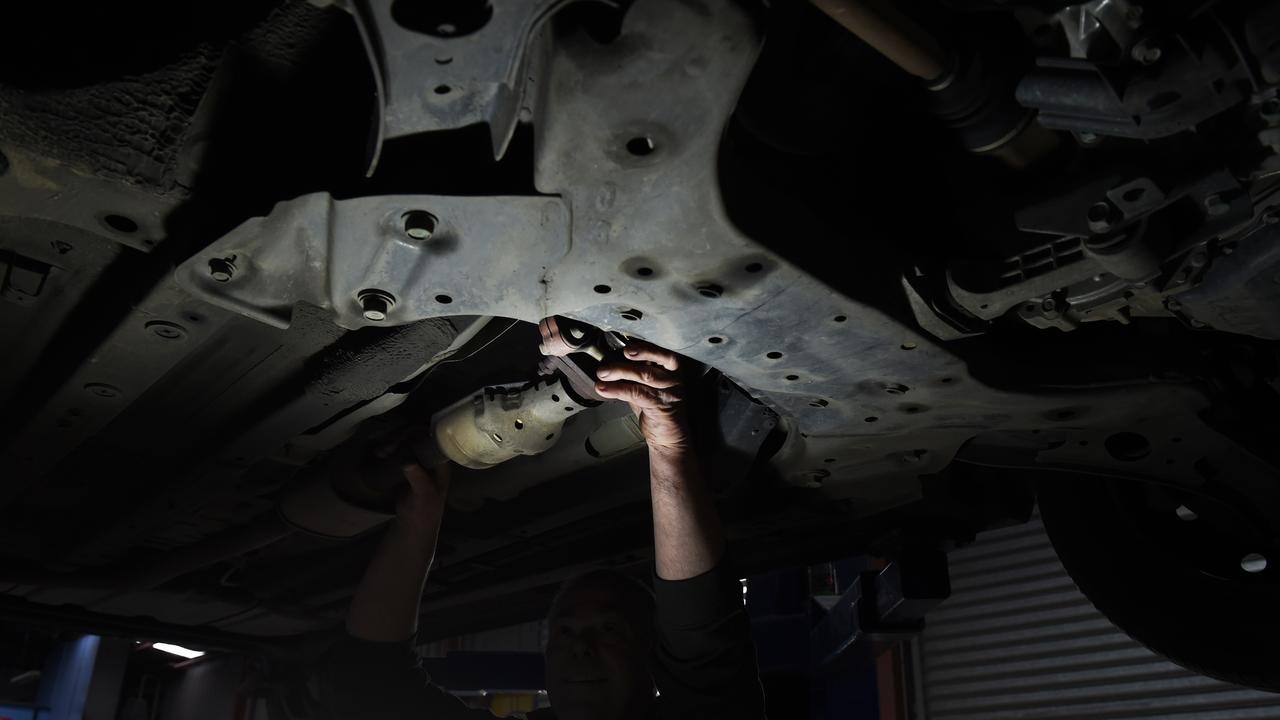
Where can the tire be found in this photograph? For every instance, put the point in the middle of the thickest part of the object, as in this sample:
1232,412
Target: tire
1217,620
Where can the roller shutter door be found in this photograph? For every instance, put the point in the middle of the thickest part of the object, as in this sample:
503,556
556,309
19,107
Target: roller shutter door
1018,640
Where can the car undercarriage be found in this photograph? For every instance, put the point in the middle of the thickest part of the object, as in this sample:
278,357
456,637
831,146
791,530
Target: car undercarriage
935,260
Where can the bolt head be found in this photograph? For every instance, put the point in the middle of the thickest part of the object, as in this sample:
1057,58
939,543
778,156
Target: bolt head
222,269
1049,305
419,224
1199,259
375,304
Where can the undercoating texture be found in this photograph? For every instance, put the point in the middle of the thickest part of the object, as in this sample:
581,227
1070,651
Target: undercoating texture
133,128
129,130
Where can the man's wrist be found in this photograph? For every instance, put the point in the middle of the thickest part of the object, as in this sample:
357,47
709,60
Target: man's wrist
670,453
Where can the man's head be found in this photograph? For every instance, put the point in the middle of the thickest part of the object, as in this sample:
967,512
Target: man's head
600,633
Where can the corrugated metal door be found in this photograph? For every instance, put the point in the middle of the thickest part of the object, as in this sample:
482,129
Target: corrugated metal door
1018,640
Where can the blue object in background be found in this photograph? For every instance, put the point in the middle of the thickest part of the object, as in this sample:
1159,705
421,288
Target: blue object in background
64,684
10,712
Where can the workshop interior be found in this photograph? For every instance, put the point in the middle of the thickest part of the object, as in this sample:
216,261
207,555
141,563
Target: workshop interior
982,298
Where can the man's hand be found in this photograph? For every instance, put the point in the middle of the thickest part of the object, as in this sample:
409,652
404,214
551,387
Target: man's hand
649,380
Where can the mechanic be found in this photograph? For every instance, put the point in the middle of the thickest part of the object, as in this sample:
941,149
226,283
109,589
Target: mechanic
610,641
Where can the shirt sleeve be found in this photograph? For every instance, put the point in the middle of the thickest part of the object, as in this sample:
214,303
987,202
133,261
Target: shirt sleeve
705,661
359,680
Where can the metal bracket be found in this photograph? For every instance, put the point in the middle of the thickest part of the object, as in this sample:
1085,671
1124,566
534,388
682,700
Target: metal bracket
385,260
435,72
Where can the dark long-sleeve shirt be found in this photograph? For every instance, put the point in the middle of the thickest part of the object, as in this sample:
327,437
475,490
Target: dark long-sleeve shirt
703,664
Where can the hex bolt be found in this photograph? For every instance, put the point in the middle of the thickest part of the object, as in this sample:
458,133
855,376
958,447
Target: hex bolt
222,269
1049,305
1215,206
375,304
419,224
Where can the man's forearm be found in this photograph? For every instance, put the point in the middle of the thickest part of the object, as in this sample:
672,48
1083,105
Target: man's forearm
385,607
687,537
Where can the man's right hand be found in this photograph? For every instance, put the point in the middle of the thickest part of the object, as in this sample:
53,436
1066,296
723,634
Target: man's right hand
651,380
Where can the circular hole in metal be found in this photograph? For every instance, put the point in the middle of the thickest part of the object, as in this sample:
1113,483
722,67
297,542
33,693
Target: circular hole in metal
793,377
375,304
715,339
568,408
909,345
1253,563
444,60
1185,513
166,330
549,436
946,380
418,224
1127,446
839,318
496,437
121,224
644,271
555,398
870,419
519,424
631,314
1099,212
603,289
710,290
753,267
442,89
828,460
819,403
442,18
444,299
773,355
641,145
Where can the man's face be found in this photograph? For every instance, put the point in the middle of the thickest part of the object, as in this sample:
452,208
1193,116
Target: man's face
597,658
